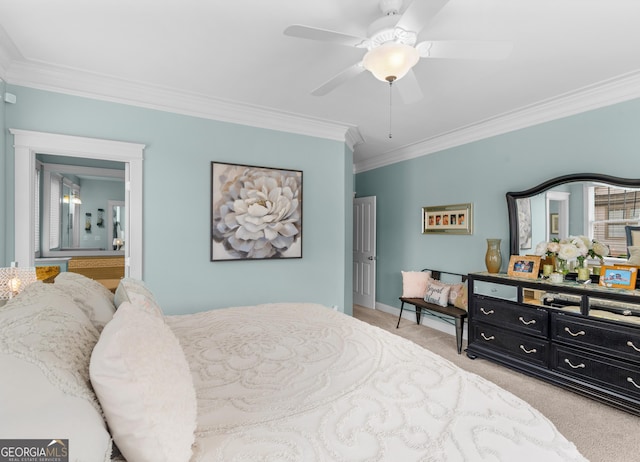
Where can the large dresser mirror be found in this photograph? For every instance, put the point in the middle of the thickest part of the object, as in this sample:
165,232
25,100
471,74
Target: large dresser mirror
593,205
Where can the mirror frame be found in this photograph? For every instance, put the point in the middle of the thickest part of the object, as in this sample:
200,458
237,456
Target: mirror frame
512,197
28,143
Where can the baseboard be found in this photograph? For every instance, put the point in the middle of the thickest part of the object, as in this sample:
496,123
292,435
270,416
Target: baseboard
426,320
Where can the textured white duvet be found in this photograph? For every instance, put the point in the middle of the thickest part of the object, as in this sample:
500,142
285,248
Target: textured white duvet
300,382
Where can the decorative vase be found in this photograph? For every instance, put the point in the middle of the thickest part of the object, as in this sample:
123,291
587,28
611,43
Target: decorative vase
561,266
493,257
583,273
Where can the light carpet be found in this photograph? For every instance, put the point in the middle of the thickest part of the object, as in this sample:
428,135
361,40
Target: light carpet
601,433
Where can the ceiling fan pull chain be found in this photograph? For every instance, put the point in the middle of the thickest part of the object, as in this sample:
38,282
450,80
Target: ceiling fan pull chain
390,103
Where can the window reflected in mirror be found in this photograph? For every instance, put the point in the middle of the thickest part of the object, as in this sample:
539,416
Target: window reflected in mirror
613,209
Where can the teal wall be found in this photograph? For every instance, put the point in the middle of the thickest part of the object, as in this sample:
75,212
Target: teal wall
176,253
605,140
349,181
94,195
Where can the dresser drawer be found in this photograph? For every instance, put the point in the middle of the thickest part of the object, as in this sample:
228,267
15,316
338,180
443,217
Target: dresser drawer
596,335
523,347
491,289
529,320
609,374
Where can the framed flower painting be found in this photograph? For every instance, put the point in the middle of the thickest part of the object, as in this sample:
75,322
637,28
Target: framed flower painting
256,212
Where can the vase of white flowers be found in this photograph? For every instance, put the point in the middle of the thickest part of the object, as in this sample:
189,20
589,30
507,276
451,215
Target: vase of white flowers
572,249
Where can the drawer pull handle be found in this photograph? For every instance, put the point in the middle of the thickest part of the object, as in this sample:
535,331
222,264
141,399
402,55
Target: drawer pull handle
486,312
487,338
581,332
526,323
632,382
630,343
581,365
533,350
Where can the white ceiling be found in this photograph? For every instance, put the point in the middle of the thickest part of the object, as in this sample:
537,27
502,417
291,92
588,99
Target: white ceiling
231,60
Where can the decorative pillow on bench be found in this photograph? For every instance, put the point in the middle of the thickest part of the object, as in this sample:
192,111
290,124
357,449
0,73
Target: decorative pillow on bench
443,294
437,293
461,299
455,292
414,283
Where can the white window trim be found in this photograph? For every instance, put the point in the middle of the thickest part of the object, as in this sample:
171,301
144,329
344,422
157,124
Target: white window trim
29,143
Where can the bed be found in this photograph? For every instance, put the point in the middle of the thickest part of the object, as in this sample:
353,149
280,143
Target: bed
272,382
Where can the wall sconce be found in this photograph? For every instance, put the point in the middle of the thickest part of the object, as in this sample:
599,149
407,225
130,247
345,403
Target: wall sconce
13,280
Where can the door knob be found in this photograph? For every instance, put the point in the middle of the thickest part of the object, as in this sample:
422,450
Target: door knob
371,258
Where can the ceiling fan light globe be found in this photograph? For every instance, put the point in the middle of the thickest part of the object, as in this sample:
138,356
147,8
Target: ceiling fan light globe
390,61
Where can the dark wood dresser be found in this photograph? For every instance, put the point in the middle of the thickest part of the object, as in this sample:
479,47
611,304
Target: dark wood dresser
585,338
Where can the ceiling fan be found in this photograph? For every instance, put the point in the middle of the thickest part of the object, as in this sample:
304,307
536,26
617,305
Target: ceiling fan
393,48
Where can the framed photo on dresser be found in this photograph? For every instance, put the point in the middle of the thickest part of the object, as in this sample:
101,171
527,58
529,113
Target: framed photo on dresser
618,276
524,266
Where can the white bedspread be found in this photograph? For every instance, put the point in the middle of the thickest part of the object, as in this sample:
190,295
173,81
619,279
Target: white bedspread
300,382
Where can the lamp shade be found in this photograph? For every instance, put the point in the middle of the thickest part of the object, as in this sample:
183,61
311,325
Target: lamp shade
13,280
390,61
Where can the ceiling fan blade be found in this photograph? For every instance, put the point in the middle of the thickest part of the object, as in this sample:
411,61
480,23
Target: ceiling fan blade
338,80
409,88
465,49
419,13
314,33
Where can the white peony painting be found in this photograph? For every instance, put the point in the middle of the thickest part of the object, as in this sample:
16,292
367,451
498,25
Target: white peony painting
256,212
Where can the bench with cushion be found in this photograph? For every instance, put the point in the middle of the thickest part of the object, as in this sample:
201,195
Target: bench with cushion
425,290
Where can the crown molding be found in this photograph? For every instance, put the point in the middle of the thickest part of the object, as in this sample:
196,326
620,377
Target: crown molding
107,88
606,93
15,70
8,53
353,137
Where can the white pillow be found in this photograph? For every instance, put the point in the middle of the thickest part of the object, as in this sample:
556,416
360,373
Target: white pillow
45,346
414,283
634,255
144,385
136,292
437,293
33,408
95,299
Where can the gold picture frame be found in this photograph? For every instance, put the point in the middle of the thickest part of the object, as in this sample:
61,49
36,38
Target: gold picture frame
524,266
448,219
618,276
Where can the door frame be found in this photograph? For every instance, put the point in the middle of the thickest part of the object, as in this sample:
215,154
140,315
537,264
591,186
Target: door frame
29,143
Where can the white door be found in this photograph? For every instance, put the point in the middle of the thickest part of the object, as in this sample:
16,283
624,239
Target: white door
364,251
